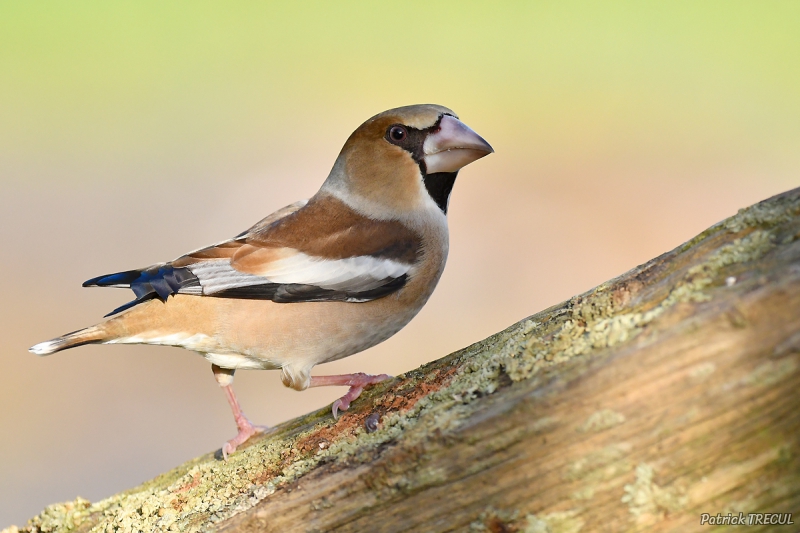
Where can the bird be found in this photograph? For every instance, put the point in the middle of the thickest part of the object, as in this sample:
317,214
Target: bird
315,281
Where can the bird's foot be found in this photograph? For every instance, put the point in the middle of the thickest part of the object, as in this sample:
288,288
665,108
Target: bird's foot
356,382
246,430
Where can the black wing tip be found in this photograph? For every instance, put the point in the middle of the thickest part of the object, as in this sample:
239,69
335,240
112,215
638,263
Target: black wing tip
158,281
110,280
130,304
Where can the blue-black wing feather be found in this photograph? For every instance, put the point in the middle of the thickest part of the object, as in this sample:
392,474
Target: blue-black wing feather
158,281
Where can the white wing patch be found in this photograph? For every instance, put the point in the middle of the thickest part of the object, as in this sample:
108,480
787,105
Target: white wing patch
351,274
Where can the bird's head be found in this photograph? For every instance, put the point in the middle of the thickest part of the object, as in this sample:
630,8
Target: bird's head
404,159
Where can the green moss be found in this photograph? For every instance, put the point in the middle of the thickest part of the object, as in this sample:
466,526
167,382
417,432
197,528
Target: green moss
63,516
599,465
602,420
644,497
702,371
560,522
771,372
766,214
584,493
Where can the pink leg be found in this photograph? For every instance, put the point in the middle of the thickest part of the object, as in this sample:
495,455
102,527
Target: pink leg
224,377
356,382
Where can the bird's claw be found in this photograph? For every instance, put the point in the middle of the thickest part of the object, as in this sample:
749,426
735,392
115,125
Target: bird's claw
338,404
357,384
227,449
343,403
246,430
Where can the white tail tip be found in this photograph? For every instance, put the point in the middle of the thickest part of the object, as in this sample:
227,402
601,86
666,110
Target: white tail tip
45,348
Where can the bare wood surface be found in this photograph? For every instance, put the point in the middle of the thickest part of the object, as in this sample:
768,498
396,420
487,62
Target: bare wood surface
671,391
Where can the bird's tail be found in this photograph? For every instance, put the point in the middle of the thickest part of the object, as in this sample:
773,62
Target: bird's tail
90,335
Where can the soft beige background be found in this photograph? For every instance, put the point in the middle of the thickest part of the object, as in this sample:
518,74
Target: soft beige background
133,132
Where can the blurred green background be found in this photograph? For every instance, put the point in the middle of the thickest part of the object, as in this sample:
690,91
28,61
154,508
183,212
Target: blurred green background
131,132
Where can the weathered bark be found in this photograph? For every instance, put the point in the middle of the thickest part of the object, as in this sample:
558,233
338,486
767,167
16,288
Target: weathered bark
671,391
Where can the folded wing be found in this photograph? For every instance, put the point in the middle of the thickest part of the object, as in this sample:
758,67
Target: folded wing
322,251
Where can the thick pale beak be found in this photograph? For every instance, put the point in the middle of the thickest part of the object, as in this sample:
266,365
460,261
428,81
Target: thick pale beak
453,146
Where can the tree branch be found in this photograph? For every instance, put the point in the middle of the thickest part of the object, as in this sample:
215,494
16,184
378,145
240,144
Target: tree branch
665,393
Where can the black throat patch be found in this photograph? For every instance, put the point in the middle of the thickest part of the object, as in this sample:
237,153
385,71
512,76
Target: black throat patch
439,186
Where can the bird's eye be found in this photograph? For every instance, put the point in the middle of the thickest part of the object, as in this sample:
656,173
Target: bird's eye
397,134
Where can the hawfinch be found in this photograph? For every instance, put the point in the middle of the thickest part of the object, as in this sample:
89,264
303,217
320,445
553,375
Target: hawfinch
317,280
